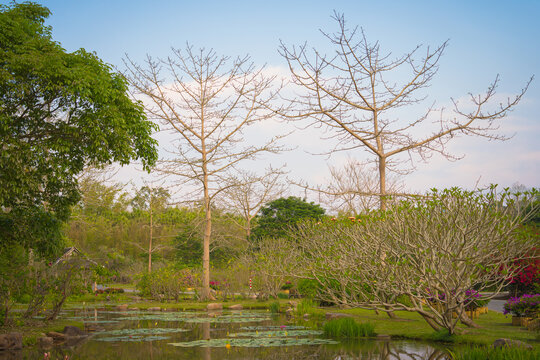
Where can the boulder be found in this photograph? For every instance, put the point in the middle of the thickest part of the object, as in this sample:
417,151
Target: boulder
45,342
122,307
236,307
11,341
330,316
511,343
57,337
156,308
73,331
214,306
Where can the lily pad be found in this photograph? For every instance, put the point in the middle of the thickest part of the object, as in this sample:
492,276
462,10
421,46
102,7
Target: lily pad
131,338
277,333
142,331
254,342
264,328
231,318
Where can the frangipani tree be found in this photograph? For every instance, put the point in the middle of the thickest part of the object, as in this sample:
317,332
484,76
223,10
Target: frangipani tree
424,256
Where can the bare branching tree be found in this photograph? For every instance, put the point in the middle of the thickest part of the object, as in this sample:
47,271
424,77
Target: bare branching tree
248,192
354,94
429,256
352,189
208,101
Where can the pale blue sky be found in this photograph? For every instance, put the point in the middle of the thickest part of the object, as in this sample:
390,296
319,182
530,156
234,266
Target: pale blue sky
486,38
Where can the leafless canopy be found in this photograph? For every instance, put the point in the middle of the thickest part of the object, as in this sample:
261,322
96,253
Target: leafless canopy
208,101
353,95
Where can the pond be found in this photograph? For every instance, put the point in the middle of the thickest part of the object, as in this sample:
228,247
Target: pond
217,335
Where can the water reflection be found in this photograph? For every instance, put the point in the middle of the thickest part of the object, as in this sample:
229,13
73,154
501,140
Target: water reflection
91,348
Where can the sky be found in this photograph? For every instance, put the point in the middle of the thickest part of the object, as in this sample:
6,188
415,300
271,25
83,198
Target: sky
486,38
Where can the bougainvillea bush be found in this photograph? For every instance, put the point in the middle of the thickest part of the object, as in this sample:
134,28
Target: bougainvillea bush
528,278
526,305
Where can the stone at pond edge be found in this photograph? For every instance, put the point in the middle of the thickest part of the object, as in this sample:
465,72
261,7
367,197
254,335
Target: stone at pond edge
57,336
236,307
214,306
511,343
11,341
330,316
383,337
157,308
122,307
74,331
45,342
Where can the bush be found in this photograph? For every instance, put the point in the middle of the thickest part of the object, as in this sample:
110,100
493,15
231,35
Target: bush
166,284
307,288
526,305
348,328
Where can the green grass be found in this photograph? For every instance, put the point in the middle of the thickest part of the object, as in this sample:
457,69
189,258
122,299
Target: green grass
348,328
409,325
274,307
489,353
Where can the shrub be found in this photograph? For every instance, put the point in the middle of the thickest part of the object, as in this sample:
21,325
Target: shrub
306,306
348,328
526,305
307,288
166,284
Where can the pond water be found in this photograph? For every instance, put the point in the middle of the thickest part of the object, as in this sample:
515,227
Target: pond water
219,335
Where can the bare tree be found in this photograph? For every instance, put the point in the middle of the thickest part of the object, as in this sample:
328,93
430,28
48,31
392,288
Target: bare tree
352,189
427,256
208,101
150,198
248,192
355,92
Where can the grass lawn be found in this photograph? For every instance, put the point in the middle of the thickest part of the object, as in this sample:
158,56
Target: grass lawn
493,325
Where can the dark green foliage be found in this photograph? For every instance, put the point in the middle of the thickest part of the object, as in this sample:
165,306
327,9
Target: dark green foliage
59,112
348,328
278,217
443,336
307,288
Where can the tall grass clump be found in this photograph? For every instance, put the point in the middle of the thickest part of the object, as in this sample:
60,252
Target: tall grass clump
306,306
274,307
348,328
489,353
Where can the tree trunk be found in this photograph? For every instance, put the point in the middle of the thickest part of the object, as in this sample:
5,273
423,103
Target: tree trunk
150,242
431,322
467,320
382,183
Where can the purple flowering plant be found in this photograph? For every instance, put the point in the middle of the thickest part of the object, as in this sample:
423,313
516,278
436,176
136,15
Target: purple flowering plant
526,305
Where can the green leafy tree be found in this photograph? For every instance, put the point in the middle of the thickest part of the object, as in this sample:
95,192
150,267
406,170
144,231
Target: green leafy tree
281,215
59,112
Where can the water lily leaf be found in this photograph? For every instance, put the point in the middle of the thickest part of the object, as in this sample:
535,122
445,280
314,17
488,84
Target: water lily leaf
131,338
254,342
277,333
142,331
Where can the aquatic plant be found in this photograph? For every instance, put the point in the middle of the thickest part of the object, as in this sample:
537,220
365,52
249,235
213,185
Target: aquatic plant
489,353
254,342
348,328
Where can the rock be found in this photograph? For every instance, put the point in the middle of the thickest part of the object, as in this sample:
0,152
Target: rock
122,307
511,343
236,307
45,342
214,306
73,331
57,337
383,337
11,341
330,316
156,308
